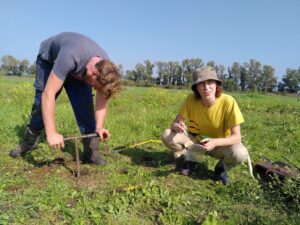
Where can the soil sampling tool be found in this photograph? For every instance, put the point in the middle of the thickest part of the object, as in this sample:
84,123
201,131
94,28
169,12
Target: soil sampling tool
76,138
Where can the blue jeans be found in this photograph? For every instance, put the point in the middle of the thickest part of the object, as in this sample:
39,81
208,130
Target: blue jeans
79,93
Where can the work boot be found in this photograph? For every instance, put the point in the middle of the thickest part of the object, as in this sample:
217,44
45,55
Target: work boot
31,140
220,173
91,152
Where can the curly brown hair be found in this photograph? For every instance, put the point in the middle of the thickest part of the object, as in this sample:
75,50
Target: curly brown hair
109,77
219,91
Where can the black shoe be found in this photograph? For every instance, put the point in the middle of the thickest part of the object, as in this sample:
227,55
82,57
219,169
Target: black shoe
31,140
220,173
188,168
179,162
91,152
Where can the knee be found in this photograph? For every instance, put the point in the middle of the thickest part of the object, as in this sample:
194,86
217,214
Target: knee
239,153
166,137
166,134
168,140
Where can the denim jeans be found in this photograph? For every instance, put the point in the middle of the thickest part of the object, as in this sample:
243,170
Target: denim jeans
79,93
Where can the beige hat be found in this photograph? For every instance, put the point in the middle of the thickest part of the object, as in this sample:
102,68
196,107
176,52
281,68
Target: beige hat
205,73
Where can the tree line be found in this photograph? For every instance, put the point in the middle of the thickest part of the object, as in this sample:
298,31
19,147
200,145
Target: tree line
11,66
252,75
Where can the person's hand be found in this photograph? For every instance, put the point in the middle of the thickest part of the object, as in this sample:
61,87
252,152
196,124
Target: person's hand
209,143
103,134
56,140
178,127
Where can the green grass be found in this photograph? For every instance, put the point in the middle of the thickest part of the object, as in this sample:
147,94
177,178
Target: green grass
139,184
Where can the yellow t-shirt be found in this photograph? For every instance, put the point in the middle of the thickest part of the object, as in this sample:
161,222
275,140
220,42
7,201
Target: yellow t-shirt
215,121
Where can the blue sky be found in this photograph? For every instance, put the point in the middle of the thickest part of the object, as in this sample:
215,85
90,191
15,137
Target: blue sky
132,31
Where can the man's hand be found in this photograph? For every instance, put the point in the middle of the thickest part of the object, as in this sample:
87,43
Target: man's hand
103,134
56,140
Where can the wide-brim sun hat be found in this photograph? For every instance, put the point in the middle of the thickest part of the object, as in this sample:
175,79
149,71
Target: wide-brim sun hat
205,73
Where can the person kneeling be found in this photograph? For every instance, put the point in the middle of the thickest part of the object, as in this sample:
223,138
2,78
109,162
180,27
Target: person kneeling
208,123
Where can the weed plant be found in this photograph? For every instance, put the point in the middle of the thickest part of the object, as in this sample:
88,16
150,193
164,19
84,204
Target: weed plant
139,185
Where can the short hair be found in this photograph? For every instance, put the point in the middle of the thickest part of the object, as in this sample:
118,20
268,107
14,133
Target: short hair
109,77
219,91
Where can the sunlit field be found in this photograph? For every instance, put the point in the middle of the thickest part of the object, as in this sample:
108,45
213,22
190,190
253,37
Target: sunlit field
140,185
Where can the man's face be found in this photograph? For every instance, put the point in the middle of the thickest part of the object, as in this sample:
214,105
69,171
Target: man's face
92,73
92,81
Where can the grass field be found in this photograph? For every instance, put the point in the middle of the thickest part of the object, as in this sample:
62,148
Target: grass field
139,185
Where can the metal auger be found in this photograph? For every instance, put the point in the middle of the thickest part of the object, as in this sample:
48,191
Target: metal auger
76,138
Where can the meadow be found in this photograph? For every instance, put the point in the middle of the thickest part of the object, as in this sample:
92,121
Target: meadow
140,185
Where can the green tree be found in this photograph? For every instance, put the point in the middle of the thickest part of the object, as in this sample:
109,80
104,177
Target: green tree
255,74
268,80
10,64
221,72
281,87
163,72
212,64
23,66
188,67
291,80
235,74
175,72
32,69
140,70
245,77
149,70
131,75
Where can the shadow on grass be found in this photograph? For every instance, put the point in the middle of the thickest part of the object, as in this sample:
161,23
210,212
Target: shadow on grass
157,159
148,158
199,171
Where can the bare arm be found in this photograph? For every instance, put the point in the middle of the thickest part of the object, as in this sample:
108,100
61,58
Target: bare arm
100,114
234,138
53,85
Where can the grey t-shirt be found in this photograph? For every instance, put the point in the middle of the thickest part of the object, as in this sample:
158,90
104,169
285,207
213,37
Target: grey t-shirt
69,53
